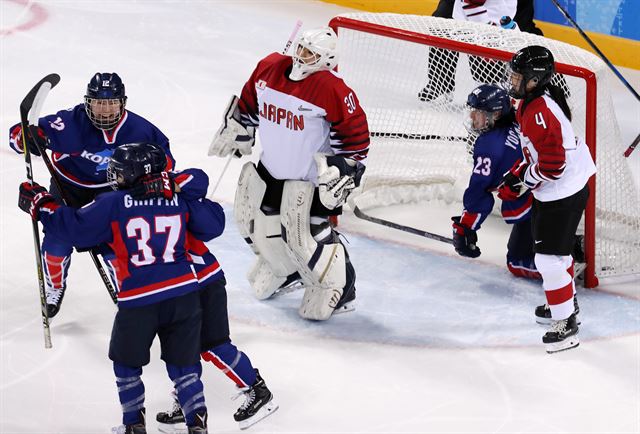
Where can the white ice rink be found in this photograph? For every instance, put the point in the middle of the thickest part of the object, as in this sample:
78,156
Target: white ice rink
438,344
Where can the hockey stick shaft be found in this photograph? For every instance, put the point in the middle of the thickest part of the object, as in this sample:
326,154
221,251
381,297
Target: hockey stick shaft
632,146
31,104
596,49
400,227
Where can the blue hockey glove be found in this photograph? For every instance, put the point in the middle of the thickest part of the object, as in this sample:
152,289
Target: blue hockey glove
464,239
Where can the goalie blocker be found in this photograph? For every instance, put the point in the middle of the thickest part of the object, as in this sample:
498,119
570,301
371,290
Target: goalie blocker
286,224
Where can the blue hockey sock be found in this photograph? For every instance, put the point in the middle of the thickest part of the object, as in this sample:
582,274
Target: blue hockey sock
235,364
189,388
130,392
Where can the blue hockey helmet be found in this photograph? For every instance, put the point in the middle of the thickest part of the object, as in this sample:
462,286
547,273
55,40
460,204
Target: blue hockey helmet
490,99
132,161
105,100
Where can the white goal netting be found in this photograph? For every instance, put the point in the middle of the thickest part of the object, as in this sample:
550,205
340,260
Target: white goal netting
414,93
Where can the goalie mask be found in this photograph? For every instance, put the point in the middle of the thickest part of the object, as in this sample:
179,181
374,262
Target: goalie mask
132,161
105,100
316,50
485,105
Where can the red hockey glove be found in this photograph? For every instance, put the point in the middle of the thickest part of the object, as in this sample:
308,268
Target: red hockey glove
33,197
512,186
464,239
154,185
17,143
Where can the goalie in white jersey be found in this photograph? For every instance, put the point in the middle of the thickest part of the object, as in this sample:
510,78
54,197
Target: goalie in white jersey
314,138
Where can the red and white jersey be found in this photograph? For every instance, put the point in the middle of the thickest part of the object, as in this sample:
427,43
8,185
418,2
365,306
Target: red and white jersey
560,164
297,119
488,12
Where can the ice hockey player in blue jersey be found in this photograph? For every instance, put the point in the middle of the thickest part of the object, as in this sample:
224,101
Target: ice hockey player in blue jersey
217,348
157,285
496,149
81,140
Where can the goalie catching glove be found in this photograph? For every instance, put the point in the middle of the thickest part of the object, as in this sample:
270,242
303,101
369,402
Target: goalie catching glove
232,136
337,178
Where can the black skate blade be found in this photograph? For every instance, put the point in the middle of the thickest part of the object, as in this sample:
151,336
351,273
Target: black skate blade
267,410
173,428
567,344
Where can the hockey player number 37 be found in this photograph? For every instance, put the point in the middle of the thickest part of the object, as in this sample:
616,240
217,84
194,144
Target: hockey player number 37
139,229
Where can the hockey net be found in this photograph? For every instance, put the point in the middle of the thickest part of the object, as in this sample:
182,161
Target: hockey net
420,150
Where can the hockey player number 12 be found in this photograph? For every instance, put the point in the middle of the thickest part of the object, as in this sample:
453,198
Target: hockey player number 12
139,229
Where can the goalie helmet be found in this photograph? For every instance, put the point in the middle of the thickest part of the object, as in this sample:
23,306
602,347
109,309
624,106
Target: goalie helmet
105,100
485,105
316,50
132,161
530,63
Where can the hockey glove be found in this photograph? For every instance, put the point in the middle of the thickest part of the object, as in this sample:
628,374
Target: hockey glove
512,186
337,178
232,136
33,197
464,239
152,186
17,143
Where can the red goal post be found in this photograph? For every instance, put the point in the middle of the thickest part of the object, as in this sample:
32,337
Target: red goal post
369,43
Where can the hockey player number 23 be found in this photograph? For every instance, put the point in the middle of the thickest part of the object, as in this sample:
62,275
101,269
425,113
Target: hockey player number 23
483,166
139,229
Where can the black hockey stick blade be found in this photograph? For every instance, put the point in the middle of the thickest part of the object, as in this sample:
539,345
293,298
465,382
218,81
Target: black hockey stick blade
36,96
400,227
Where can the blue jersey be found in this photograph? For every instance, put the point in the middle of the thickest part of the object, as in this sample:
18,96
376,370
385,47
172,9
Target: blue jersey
494,153
81,152
194,184
148,239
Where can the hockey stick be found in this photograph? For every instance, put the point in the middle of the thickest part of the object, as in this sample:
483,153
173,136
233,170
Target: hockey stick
400,227
295,31
606,61
632,146
31,105
54,176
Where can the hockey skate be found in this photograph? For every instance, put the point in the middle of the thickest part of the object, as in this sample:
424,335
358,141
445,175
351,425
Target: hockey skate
347,303
200,426
172,421
563,335
543,312
54,300
258,404
138,428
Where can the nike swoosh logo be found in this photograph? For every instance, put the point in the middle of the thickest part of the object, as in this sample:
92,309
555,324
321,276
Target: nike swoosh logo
304,109
537,242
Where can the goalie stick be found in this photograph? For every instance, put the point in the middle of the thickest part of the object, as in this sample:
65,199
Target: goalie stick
400,227
33,121
29,112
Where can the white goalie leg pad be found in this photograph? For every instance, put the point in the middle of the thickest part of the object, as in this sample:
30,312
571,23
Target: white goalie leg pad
321,266
273,264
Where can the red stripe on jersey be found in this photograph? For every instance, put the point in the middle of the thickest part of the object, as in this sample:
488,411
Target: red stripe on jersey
469,219
176,281
560,295
208,270
195,245
120,264
518,211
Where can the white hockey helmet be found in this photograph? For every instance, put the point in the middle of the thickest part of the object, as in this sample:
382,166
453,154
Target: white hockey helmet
315,50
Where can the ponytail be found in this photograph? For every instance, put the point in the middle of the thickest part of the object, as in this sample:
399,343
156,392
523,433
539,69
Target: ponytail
558,95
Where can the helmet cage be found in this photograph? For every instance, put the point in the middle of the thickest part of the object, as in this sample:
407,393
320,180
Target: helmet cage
105,100
316,50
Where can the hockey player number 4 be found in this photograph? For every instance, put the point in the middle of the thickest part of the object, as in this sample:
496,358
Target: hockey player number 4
139,229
